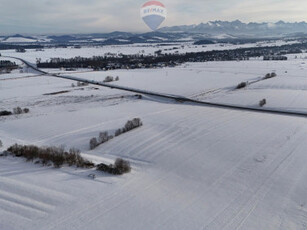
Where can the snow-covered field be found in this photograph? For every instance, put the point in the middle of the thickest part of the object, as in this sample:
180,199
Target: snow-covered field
193,167
146,49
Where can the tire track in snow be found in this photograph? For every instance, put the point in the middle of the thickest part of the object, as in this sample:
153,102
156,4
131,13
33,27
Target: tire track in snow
88,128
219,181
251,196
158,181
154,141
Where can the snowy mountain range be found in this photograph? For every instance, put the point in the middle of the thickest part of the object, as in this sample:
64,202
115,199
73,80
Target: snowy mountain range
213,30
239,28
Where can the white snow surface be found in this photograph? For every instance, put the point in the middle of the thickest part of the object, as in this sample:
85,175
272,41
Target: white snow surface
146,49
193,167
18,40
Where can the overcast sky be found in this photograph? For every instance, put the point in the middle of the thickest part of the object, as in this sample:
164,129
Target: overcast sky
84,16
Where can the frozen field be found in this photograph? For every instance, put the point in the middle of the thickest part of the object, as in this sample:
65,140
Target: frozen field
31,55
193,167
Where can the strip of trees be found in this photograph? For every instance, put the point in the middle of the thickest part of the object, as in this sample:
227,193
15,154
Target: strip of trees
104,136
160,59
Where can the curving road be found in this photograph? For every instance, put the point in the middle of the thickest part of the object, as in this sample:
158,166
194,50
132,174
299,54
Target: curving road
177,98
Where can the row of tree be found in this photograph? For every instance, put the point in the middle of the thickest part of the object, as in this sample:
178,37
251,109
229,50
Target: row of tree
160,59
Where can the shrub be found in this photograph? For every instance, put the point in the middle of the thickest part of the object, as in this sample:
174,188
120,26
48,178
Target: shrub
5,113
103,137
81,84
47,155
120,167
1,144
273,74
117,78
118,132
72,156
17,110
262,102
267,76
241,85
134,123
108,79
93,143
270,75
26,110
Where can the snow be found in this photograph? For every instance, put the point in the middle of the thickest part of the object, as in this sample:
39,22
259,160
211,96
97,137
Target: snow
19,40
146,49
224,36
193,167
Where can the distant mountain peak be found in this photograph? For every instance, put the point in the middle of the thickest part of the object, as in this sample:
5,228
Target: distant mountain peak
237,27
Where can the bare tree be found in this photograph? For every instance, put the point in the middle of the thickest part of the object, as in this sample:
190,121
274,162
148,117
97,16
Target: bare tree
93,143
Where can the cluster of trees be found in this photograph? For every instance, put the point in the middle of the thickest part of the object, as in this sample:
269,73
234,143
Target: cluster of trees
11,46
110,79
241,85
20,50
262,102
160,59
104,136
79,84
16,111
56,156
275,58
130,125
270,75
19,110
7,66
119,167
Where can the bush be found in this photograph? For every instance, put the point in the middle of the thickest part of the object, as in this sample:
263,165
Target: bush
267,76
1,144
118,132
241,85
26,110
104,137
79,84
93,143
273,74
17,110
270,75
262,102
108,79
47,155
136,122
5,113
120,167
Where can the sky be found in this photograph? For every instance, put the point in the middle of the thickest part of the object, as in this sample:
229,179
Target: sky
100,16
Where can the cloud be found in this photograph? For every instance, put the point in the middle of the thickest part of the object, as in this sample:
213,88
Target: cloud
79,16
268,10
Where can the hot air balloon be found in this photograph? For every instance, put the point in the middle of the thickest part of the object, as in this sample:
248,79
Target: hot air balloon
153,13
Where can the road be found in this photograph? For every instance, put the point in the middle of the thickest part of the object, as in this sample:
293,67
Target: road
177,98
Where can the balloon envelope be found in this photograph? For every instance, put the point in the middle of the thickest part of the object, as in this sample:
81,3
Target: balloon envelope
153,13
